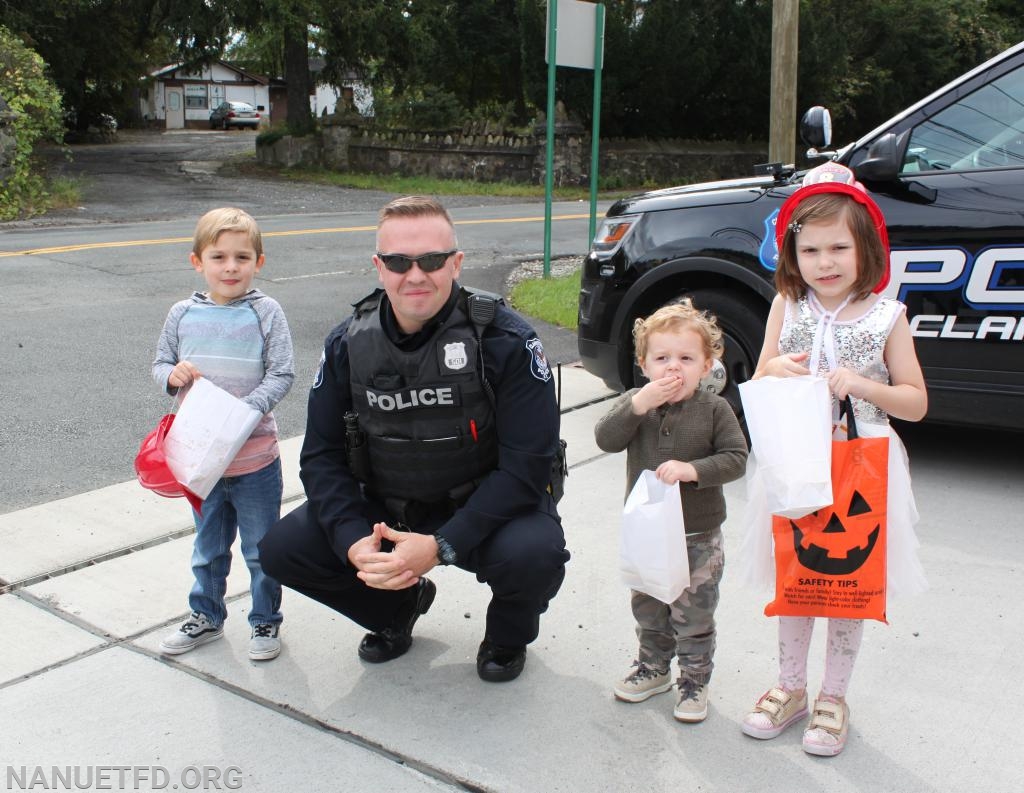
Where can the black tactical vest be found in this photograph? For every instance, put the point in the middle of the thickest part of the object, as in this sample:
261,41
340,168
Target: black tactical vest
428,421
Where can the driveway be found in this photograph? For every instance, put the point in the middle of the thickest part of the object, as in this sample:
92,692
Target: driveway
173,175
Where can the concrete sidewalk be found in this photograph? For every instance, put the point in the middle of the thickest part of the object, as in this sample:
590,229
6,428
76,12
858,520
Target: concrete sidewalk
99,578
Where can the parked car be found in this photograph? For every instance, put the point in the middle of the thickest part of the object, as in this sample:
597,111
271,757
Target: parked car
948,172
234,114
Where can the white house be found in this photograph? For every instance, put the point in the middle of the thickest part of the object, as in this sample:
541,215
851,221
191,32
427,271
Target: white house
177,98
352,93
326,98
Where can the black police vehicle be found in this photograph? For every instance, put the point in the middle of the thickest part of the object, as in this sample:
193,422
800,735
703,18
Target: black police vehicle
947,172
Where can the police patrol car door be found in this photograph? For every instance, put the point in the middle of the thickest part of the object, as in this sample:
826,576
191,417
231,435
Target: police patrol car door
958,244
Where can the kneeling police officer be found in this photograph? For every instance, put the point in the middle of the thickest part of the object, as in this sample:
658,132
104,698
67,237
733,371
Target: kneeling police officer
431,433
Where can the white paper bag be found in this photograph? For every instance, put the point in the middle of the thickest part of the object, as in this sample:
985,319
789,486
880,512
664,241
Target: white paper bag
790,424
209,429
652,549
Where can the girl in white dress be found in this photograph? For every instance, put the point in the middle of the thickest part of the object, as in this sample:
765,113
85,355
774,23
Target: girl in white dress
827,318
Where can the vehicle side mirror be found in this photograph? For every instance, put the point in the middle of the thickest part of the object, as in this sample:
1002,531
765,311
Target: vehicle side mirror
816,128
883,160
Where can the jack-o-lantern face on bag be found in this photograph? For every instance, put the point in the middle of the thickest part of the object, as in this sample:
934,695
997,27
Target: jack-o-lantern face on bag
845,540
833,543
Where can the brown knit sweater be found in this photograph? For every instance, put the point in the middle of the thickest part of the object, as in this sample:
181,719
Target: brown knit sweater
702,430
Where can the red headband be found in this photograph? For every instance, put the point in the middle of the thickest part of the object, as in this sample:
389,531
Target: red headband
857,194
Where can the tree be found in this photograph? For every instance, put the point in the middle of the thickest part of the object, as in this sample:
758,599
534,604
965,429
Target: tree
894,55
472,49
36,102
368,37
681,68
437,59
281,38
296,72
97,50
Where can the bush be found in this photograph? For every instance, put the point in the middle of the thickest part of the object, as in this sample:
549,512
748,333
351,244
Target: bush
35,100
428,108
270,136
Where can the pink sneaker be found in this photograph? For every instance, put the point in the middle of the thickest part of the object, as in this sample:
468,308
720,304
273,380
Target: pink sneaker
826,734
773,713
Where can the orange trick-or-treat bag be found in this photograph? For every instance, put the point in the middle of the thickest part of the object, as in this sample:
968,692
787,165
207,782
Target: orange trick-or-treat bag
831,563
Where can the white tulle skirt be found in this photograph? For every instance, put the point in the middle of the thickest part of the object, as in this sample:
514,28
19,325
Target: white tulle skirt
755,562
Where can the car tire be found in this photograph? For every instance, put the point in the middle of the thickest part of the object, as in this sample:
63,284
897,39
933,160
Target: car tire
742,322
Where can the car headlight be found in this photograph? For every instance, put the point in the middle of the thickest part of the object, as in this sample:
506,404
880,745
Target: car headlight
611,234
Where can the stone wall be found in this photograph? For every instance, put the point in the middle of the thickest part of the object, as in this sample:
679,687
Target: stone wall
668,162
478,152
289,151
450,155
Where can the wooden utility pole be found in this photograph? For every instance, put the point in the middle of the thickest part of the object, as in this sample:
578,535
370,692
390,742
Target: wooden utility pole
782,128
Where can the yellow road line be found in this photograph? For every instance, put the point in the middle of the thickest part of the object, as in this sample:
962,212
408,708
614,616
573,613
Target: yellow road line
94,246
299,232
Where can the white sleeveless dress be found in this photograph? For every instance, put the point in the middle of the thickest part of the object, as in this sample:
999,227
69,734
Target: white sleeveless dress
858,345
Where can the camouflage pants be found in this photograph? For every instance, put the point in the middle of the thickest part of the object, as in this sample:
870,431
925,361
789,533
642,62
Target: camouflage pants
685,628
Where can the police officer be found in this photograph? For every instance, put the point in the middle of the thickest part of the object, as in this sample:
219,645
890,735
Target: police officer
431,430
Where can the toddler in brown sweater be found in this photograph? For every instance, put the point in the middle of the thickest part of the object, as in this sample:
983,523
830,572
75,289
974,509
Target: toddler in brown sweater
688,436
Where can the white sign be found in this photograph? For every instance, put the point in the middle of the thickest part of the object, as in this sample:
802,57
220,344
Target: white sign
577,23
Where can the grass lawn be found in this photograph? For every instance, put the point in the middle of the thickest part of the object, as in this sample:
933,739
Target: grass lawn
553,299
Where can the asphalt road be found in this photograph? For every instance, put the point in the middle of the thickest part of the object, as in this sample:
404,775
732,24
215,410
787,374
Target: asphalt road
79,316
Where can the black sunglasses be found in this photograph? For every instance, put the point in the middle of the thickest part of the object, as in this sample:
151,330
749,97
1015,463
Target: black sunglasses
428,262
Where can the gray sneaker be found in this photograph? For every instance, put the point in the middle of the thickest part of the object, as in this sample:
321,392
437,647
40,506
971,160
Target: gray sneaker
643,682
693,702
265,643
196,630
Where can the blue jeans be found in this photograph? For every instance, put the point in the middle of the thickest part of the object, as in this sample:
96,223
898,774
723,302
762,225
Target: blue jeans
249,504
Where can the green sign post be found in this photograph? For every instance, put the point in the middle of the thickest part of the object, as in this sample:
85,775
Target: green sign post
595,129
572,49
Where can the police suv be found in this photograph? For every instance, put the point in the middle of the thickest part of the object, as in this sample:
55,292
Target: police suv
947,172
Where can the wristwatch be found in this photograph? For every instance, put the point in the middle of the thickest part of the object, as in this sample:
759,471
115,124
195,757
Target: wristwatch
445,553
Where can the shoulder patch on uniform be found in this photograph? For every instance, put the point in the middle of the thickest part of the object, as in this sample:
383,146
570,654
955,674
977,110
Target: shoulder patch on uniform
538,362
319,378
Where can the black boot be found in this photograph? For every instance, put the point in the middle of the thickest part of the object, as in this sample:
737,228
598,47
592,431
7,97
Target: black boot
497,664
396,639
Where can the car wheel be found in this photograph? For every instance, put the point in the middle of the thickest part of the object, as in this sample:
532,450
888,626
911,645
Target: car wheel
742,323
